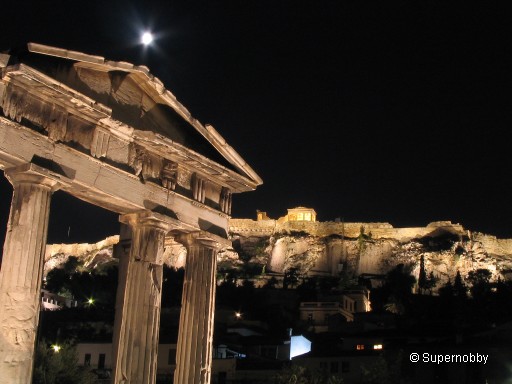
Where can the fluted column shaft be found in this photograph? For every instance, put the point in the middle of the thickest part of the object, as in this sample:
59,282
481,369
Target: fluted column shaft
137,320
194,350
21,274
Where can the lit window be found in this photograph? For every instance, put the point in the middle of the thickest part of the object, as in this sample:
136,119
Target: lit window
360,347
307,216
300,216
377,346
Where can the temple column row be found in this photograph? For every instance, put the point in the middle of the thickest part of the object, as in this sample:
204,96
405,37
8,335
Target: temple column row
139,298
137,323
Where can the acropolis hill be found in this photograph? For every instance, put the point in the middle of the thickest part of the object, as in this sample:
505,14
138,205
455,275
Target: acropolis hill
329,248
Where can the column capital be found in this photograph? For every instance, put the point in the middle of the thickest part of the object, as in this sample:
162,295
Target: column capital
33,174
203,238
148,218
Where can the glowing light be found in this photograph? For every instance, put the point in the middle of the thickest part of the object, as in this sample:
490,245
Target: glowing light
147,38
238,315
377,346
56,348
299,345
90,301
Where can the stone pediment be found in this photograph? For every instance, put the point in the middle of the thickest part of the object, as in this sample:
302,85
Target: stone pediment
117,105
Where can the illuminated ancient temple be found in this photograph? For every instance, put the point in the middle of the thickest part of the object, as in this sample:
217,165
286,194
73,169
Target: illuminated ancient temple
301,214
111,134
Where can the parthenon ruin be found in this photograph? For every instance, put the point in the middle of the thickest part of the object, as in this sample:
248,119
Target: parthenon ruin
109,133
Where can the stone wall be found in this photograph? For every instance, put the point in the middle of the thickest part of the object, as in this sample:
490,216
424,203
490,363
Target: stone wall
248,227
493,245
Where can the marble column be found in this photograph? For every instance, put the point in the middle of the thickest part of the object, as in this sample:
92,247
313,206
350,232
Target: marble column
194,350
137,319
21,272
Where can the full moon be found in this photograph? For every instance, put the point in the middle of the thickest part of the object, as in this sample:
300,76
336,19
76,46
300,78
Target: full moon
147,38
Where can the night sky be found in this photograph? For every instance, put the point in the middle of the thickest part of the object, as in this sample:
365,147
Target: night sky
392,111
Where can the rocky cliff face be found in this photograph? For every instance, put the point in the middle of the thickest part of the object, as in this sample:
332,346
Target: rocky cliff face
446,249
90,255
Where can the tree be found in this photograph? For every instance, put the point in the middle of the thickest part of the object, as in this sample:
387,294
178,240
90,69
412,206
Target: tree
72,265
387,369
459,287
431,282
74,281
328,283
271,283
307,290
291,278
59,367
398,288
479,280
296,374
447,290
422,278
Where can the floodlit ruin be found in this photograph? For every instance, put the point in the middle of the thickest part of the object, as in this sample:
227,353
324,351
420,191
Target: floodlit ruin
109,133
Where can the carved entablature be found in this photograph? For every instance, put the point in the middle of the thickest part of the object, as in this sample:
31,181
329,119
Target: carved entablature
169,175
198,188
225,200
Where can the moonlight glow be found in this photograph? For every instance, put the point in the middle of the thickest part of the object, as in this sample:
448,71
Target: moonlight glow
147,38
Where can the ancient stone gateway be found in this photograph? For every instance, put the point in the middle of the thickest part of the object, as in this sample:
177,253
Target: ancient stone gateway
110,134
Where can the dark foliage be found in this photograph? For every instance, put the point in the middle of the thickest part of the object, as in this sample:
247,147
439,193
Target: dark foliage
76,283
396,292
60,367
422,278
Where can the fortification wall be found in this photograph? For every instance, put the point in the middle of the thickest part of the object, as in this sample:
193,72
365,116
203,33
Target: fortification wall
493,245
248,228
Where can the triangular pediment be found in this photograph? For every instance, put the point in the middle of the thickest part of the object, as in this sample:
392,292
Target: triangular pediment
139,100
